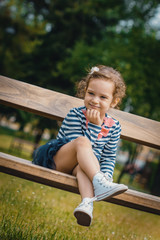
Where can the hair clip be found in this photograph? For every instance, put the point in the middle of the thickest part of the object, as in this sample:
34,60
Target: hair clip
94,69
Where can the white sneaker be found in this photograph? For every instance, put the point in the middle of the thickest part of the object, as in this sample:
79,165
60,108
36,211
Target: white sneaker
104,188
83,212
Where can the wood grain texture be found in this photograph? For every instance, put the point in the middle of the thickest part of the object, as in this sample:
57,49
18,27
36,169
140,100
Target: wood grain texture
25,169
56,105
35,99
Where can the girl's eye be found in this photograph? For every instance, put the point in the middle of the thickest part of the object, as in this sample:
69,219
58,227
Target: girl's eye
103,97
90,93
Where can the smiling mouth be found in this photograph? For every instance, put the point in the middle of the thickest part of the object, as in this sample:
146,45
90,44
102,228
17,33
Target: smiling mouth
93,106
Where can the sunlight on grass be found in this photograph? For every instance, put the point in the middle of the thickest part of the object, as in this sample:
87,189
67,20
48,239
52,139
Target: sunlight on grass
33,211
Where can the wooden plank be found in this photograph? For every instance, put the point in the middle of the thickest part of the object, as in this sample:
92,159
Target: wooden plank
35,99
138,129
56,105
25,169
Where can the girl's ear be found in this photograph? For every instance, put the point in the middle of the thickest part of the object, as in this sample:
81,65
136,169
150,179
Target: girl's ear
115,102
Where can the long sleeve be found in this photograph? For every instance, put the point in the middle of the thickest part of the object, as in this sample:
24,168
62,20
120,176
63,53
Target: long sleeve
108,157
74,125
71,126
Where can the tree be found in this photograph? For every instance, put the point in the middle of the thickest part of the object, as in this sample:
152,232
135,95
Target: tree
59,39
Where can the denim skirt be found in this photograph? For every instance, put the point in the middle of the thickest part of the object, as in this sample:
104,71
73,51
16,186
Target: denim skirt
43,156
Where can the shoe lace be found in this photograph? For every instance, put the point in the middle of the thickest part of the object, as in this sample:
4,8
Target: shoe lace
88,201
105,176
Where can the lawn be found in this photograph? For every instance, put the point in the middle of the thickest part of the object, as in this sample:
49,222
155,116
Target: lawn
33,211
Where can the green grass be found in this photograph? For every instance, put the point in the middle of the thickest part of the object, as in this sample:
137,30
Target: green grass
33,211
6,138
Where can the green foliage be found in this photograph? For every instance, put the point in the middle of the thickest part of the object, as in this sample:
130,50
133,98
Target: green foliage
51,43
17,36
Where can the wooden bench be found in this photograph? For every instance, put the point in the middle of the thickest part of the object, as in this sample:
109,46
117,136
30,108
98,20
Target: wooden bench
55,105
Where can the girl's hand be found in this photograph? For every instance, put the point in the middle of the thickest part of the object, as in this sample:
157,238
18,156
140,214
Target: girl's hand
93,116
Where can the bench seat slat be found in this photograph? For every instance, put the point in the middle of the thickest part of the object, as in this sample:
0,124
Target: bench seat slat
25,169
55,105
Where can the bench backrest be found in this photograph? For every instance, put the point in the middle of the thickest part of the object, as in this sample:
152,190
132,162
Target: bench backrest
56,105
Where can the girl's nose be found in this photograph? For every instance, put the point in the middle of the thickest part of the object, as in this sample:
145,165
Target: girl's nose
95,99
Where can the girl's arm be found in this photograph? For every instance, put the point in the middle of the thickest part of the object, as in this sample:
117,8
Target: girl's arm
108,157
74,125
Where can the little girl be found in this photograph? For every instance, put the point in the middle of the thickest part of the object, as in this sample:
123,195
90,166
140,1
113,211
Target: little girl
87,141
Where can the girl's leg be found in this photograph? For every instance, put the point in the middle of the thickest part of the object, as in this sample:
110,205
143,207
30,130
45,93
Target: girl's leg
84,211
79,151
85,186
77,158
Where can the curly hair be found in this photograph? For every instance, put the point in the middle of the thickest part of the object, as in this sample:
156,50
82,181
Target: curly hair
105,73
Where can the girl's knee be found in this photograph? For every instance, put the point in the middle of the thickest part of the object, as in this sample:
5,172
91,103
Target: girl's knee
83,142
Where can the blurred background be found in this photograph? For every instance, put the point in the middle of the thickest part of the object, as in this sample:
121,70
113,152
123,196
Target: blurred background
51,43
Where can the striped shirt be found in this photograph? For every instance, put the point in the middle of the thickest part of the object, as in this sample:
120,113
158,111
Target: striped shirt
103,138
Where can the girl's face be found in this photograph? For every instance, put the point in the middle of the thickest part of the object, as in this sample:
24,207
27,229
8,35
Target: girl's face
99,95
